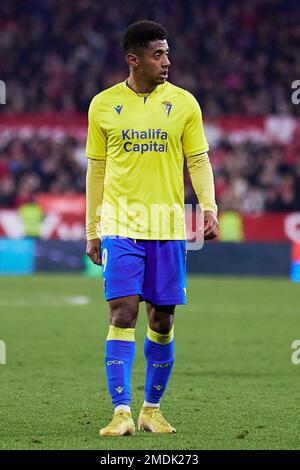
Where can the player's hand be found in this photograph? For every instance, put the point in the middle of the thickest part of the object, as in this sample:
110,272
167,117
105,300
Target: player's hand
211,225
93,250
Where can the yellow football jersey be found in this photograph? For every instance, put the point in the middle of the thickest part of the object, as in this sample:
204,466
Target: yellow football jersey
144,140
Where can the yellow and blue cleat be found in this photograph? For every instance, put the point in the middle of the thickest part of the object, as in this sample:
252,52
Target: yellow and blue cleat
152,420
121,425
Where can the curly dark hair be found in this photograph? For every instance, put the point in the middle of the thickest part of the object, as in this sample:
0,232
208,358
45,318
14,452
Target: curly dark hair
139,34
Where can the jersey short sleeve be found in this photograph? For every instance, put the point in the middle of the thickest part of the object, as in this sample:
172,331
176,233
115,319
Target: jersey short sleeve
96,138
193,139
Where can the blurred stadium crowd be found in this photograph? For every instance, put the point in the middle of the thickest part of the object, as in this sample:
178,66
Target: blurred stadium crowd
249,177
236,58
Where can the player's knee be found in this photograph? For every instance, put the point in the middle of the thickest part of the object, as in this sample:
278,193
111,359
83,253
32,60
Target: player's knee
162,327
161,319
123,313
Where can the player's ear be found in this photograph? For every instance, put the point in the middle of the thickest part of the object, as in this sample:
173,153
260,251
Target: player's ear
132,60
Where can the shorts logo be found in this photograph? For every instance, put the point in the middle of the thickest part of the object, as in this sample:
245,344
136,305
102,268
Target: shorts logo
119,389
118,108
167,106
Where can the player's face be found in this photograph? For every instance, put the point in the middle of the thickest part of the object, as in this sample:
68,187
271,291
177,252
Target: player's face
154,62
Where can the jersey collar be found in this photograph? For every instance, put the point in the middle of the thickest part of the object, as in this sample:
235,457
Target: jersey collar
155,92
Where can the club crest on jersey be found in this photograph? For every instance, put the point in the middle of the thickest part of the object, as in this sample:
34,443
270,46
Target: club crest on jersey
118,108
167,106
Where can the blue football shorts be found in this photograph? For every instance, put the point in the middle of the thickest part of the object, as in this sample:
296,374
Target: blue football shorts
153,269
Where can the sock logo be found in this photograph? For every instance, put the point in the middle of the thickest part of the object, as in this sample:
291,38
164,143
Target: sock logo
119,389
168,364
158,387
110,363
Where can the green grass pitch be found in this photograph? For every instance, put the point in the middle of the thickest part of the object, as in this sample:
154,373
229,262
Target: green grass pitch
233,385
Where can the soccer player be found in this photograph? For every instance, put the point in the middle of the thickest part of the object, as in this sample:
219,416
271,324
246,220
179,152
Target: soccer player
139,132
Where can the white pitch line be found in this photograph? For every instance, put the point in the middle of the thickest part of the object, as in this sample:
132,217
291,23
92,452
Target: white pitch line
77,300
